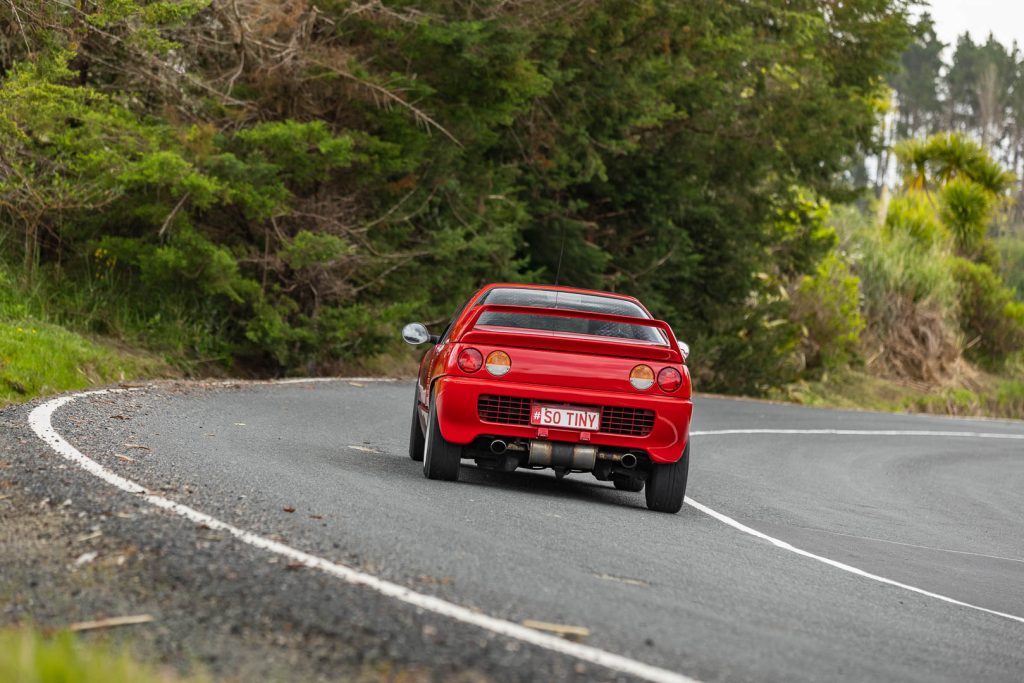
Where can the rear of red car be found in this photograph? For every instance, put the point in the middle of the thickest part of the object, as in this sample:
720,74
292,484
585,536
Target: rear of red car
573,380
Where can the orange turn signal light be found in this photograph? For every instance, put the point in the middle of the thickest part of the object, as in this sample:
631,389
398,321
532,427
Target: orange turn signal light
498,363
641,377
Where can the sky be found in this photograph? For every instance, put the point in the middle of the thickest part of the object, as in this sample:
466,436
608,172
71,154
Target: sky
1004,18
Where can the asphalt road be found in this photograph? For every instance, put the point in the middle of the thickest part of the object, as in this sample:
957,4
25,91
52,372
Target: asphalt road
686,592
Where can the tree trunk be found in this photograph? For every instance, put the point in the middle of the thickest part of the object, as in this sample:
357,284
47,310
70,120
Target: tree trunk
31,245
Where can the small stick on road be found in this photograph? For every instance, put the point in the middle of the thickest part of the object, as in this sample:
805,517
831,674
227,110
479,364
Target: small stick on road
570,632
111,622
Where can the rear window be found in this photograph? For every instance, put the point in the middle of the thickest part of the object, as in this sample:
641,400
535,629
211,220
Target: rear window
590,303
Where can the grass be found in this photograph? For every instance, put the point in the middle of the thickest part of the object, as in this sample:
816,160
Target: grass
991,396
26,656
37,359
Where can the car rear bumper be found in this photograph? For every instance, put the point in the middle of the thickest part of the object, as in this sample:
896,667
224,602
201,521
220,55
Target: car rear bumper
460,422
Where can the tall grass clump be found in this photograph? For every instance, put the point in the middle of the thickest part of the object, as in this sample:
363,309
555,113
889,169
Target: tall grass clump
911,305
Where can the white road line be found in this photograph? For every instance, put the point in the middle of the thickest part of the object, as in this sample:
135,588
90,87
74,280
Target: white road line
839,565
863,432
40,421
833,563
304,380
907,545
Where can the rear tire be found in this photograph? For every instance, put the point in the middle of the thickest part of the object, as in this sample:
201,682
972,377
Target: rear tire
633,485
666,484
441,459
416,440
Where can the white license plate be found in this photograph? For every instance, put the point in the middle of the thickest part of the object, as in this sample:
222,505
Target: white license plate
565,418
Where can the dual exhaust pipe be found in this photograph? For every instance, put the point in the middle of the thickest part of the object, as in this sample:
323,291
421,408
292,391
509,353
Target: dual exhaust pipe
558,454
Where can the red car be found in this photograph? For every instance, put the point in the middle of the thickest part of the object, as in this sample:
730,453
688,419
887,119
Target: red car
571,379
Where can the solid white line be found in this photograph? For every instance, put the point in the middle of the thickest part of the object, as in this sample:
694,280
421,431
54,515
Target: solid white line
304,380
833,563
839,565
908,545
863,432
40,421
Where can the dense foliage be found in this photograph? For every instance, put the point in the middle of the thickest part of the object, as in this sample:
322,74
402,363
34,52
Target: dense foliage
276,185
932,277
978,91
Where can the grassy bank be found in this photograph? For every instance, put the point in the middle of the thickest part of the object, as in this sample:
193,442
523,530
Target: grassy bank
985,396
38,356
37,359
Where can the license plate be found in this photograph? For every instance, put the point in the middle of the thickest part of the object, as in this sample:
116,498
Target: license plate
565,417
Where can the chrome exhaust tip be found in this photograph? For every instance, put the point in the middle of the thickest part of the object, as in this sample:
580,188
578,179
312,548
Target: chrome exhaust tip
498,447
628,461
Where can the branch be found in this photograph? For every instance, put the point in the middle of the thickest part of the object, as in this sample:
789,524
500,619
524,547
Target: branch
172,214
381,90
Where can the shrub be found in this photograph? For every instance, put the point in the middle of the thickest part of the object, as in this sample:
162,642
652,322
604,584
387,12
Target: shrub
964,208
990,317
827,306
914,214
1011,263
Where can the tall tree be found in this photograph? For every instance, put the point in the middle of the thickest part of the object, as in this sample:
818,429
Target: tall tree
917,82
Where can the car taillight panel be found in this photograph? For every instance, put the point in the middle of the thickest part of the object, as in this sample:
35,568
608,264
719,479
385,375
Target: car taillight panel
641,377
498,363
470,360
669,379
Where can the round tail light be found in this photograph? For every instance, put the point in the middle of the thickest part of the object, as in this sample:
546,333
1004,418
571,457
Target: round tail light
669,379
641,377
498,363
470,360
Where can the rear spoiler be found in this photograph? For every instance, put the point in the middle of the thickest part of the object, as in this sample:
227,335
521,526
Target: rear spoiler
561,341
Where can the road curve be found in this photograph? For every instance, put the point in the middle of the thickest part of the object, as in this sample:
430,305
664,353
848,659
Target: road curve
928,503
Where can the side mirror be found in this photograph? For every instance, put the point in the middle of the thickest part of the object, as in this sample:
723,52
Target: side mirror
416,334
685,349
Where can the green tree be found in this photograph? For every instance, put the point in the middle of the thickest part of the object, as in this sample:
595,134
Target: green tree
284,181
917,82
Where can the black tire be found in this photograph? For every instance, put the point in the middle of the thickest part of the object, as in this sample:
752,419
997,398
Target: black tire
632,484
666,484
441,459
416,440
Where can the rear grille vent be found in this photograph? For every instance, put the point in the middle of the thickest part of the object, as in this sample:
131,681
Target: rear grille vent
511,410
507,410
628,421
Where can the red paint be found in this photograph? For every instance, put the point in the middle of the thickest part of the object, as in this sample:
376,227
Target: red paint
560,370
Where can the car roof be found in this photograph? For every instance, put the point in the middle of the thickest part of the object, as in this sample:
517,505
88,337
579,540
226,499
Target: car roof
558,288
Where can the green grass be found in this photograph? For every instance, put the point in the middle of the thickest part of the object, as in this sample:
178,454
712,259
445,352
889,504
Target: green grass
40,357
26,656
37,359
989,395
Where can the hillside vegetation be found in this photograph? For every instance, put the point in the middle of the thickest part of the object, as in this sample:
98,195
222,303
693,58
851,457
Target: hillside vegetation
276,186
273,188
